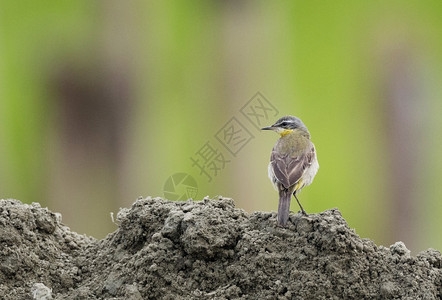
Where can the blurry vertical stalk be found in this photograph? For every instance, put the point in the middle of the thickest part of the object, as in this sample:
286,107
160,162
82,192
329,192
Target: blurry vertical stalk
119,48
22,115
93,102
403,123
237,19
247,43
178,101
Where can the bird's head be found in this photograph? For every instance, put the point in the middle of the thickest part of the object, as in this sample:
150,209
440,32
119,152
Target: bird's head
286,125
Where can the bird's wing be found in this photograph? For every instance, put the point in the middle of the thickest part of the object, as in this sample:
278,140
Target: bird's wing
288,169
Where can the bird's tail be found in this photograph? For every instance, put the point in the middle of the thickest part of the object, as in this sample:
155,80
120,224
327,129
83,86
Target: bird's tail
284,207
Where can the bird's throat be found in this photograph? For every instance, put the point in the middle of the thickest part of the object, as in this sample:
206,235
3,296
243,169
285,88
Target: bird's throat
285,132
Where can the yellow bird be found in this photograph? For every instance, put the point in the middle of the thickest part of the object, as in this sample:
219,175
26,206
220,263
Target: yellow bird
293,163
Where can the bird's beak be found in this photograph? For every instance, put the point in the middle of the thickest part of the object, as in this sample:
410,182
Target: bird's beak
268,128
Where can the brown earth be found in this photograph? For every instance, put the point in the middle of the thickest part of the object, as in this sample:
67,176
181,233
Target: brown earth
205,250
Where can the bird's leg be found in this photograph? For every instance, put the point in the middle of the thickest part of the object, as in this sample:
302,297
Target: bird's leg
302,210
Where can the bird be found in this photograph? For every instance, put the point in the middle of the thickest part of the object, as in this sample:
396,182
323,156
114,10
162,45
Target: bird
293,163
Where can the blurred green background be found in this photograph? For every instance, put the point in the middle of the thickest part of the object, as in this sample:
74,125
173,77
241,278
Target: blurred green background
103,101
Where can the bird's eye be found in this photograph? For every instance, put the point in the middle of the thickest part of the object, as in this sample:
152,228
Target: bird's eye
284,124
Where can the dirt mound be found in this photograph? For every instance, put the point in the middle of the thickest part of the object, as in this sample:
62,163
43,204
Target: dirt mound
35,247
205,250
